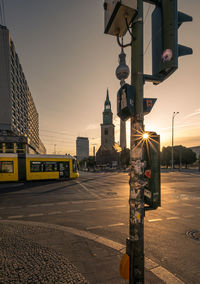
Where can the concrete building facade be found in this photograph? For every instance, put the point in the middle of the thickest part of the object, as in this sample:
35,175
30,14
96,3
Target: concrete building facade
18,114
82,148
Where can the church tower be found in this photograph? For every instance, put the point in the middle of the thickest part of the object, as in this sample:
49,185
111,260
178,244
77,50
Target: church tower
107,128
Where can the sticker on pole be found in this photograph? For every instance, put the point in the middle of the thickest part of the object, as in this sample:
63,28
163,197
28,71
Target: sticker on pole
124,266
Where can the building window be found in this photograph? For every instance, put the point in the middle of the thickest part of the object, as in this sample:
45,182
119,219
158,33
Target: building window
106,131
9,147
20,148
6,167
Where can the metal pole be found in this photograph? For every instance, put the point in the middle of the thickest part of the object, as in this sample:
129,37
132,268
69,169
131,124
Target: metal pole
173,116
136,198
173,141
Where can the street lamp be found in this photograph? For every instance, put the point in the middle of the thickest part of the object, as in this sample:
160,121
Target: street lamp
173,116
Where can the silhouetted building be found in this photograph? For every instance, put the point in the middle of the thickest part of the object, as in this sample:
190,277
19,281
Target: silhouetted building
82,148
107,154
19,119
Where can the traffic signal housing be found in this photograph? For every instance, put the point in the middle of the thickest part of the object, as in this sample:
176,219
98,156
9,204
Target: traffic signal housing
152,192
166,20
126,102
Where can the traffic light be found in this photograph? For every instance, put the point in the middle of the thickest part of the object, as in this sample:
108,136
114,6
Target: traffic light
152,195
166,20
125,102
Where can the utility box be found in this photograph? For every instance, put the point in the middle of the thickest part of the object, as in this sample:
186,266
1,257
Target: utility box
152,193
117,14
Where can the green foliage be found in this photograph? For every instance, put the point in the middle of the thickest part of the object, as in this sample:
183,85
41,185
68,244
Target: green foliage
182,156
166,156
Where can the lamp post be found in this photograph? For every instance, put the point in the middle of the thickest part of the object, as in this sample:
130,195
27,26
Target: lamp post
173,116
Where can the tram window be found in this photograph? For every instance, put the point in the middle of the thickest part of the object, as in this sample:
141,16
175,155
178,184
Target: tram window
6,167
50,167
36,167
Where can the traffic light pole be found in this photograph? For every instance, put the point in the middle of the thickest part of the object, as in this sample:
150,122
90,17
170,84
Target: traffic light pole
135,243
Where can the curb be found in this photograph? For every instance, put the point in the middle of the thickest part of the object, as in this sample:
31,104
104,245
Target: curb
159,271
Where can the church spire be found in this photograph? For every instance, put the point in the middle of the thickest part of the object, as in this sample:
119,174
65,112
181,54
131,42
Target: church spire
107,104
107,114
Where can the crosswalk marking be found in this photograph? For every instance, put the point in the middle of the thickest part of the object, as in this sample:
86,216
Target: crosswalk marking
116,225
155,220
173,218
36,215
15,217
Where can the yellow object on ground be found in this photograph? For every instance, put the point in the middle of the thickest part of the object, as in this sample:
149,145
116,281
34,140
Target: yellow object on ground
124,267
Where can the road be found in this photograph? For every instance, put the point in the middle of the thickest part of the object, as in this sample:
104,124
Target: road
98,203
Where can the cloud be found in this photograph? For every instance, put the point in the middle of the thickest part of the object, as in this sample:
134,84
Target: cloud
196,112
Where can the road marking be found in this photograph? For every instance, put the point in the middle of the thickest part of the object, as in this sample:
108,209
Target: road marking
197,207
15,217
86,189
33,205
54,213
173,218
90,209
36,215
46,204
186,204
155,220
166,276
62,203
155,268
94,227
78,202
73,211
188,216
116,225
121,206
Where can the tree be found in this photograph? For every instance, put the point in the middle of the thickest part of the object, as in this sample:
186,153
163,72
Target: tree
182,155
125,157
166,156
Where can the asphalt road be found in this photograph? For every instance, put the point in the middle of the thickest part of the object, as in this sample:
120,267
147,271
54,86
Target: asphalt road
98,203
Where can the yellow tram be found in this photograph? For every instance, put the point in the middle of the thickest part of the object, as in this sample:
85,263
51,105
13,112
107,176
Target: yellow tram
27,167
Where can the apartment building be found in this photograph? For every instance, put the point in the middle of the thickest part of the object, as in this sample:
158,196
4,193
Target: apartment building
19,119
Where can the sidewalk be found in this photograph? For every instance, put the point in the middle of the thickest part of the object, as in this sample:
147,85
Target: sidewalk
34,254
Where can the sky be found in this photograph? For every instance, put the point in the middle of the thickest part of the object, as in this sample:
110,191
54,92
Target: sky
69,63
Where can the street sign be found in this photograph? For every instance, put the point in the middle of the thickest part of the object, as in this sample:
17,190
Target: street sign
119,13
148,104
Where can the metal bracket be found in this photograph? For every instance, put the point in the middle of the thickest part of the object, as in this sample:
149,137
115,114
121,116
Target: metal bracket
154,2
148,208
154,79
